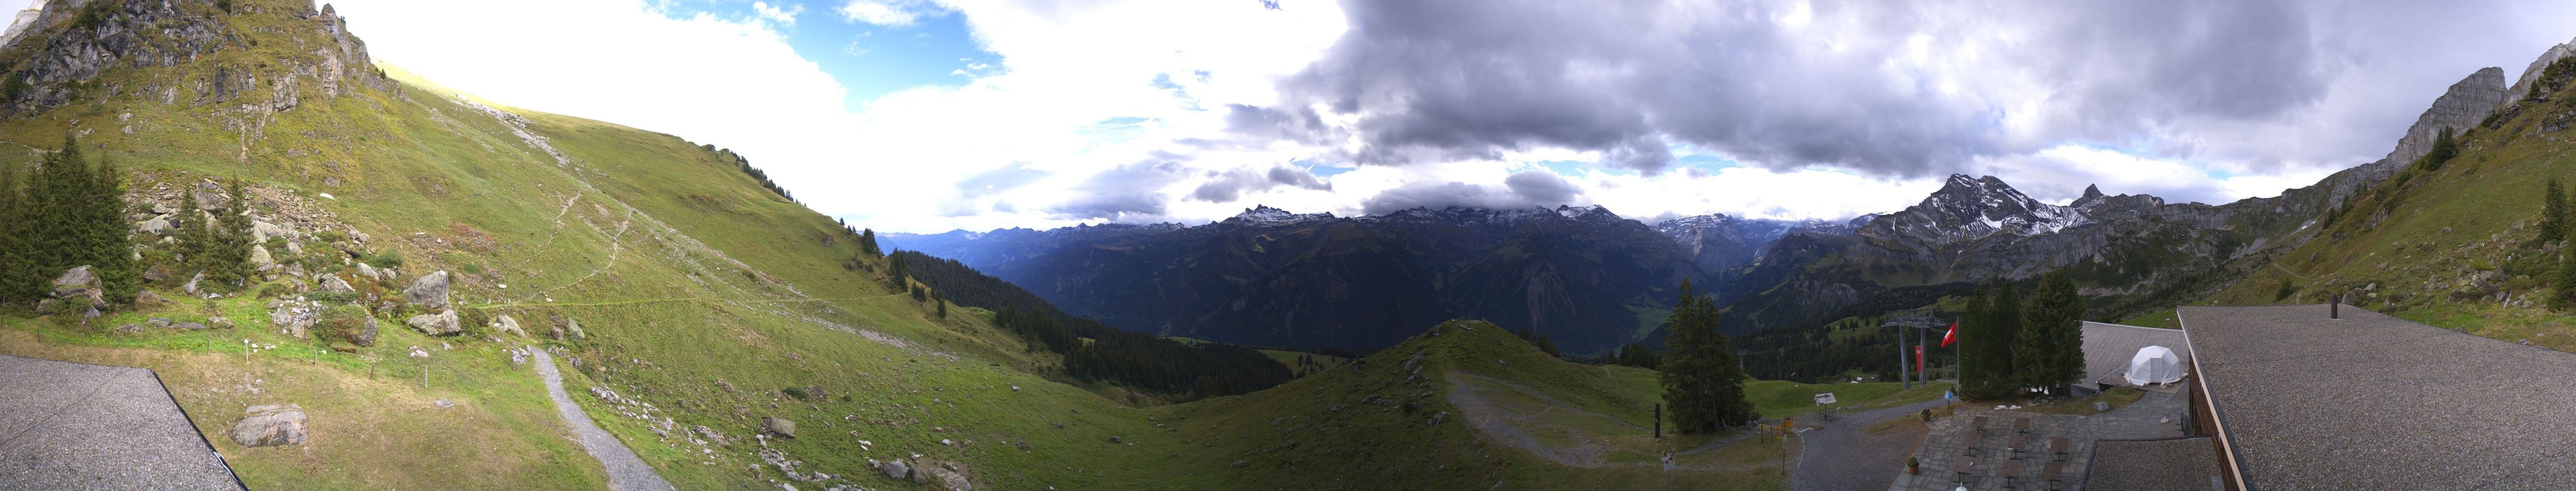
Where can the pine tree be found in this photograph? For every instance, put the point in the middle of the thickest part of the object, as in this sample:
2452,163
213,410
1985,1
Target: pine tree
1701,380
2563,293
941,301
228,254
2049,323
110,250
1987,336
868,242
191,236
2553,212
21,279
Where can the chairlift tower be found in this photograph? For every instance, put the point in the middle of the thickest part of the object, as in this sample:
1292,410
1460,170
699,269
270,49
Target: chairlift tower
1923,318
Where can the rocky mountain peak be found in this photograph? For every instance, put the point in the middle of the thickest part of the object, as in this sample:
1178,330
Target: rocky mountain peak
1582,212
2552,55
1973,207
1265,216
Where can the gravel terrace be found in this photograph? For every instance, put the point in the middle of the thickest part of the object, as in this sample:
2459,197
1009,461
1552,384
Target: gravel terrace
75,426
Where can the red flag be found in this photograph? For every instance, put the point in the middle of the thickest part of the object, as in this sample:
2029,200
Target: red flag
1952,336
1918,358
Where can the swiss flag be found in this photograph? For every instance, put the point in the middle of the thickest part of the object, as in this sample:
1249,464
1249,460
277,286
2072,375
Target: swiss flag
1952,336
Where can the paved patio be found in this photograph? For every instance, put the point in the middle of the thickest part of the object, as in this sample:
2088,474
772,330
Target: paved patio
2008,453
73,426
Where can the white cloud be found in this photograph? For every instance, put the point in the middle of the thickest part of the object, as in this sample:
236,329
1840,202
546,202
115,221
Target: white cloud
889,13
1116,110
785,16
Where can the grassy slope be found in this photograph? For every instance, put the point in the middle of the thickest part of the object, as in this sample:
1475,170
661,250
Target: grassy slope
2445,227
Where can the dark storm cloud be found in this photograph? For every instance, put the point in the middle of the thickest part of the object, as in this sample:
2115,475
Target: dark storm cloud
1433,80
1230,185
1535,187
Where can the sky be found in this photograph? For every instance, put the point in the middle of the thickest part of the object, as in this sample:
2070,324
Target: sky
931,115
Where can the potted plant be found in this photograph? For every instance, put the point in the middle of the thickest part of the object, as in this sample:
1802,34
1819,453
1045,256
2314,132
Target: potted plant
1913,465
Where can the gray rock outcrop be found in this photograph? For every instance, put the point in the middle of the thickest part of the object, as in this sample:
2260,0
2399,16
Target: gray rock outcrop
259,258
429,290
895,469
263,426
81,283
952,480
333,284
442,323
368,271
2522,85
509,325
777,426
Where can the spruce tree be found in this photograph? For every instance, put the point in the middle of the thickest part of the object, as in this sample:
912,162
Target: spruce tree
112,251
192,236
2553,212
21,278
1701,380
2562,295
228,254
868,242
1987,336
2049,324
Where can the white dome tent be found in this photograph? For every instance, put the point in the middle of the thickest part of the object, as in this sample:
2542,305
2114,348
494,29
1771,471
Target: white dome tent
2154,365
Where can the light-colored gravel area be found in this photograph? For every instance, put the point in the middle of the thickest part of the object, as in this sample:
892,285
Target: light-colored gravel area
625,471
74,426
2371,401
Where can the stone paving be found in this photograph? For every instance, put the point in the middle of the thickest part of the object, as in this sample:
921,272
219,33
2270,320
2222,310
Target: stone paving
1991,466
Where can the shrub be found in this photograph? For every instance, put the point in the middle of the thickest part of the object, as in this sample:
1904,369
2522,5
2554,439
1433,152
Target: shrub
387,259
796,392
343,322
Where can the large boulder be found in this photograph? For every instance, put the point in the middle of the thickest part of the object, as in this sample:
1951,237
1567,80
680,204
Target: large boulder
158,225
210,200
368,271
952,480
430,290
263,426
79,282
259,258
506,324
777,426
261,230
895,469
575,327
333,284
442,323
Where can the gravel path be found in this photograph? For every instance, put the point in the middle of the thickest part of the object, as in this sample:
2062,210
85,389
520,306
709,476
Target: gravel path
1844,455
625,472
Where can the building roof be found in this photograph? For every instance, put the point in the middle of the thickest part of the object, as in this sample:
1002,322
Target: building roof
2376,402
2108,347
80,426
2165,464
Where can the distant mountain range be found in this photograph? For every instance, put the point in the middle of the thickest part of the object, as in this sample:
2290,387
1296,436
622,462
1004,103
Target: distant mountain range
1583,275
1593,280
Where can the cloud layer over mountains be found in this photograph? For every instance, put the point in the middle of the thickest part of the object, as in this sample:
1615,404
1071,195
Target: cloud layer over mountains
1151,110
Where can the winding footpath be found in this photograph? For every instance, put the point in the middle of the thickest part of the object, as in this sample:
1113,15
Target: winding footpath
625,471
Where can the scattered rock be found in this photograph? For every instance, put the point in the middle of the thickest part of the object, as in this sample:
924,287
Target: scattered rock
157,323
261,230
509,325
260,260
441,324
778,426
895,469
263,426
953,481
129,329
191,326
429,290
159,225
295,248
368,271
444,404
333,284
218,322
575,327
1115,439
79,282
2099,406
365,335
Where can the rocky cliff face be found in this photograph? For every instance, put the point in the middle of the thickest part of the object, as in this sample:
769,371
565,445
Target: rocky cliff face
1583,275
2531,73
1716,242
70,45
